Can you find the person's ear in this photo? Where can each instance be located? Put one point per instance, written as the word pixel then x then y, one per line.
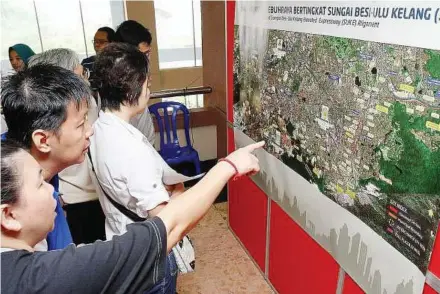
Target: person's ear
pixel 41 140
pixel 8 220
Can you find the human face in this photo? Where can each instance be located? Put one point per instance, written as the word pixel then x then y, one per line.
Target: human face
pixel 16 61
pixel 82 72
pixel 100 41
pixel 145 96
pixel 79 70
pixel 70 144
pixel 35 209
pixel 145 48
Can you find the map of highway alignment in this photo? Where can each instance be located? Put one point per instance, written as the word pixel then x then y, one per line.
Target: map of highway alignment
pixel 359 119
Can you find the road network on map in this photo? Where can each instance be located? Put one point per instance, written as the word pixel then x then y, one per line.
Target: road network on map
pixel 359 119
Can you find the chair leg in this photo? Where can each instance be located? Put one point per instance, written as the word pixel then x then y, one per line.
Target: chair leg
pixel 197 165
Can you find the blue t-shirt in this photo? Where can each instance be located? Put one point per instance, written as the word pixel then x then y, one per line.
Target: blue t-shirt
pixel 60 237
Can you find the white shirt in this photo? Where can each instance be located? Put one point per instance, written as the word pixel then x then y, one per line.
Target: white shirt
pixel 3 125
pixel 4 249
pixel 76 183
pixel 144 123
pixel 41 246
pixel 129 169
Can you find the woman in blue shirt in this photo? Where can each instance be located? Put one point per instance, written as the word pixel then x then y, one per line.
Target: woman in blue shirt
pixel 60 236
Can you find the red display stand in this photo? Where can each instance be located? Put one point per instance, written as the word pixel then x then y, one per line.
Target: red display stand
pixel 296 261
pixel 248 217
pixel 350 287
pixel 248 213
pixel 429 290
pixel 434 265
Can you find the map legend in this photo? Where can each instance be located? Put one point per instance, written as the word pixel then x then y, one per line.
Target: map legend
pixel 409 229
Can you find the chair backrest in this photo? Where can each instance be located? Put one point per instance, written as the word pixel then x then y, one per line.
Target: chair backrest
pixel 169 142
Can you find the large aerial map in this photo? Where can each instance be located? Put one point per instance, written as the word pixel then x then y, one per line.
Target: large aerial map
pixel 359 119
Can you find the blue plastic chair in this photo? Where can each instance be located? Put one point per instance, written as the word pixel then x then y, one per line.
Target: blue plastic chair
pixel 170 148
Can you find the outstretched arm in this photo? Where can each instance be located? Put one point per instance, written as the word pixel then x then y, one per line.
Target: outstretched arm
pixel 182 213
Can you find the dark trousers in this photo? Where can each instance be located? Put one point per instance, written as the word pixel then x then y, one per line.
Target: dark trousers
pixel 86 221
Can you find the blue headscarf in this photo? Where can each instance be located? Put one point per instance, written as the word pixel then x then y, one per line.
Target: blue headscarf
pixel 24 51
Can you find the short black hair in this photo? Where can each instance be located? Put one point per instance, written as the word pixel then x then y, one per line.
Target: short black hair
pixel 11 180
pixel 132 32
pixel 37 98
pixel 111 35
pixel 121 70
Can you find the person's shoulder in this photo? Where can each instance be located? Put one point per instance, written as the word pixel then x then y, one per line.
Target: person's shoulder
pixel 13 256
pixel 12 252
pixel 17 262
pixel 108 128
pixel 88 60
pixel 114 144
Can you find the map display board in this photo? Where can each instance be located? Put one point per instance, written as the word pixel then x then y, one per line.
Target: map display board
pixel 349 99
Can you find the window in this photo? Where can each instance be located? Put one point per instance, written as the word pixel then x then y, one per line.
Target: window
pixel 18 23
pixel 111 15
pixel 43 24
pixel 193 101
pixel 60 30
pixel 179 33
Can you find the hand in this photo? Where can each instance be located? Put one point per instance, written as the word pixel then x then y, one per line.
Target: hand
pixel 244 160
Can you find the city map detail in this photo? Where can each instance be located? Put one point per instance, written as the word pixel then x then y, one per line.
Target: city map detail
pixel 359 119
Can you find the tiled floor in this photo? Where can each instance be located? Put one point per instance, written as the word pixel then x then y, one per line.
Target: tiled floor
pixel 222 266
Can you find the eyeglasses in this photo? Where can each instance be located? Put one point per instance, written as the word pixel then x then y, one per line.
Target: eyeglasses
pixel 86 73
pixel 99 42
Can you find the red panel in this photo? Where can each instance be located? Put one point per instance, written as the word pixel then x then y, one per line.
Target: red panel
pixel 428 290
pixel 230 22
pixel 350 286
pixel 434 265
pixel 297 264
pixel 248 217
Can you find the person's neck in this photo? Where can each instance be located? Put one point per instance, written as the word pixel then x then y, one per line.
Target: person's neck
pixel 14 243
pixel 125 113
pixel 50 169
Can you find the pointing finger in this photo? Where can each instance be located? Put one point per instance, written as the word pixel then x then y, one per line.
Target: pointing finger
pixel 255 146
